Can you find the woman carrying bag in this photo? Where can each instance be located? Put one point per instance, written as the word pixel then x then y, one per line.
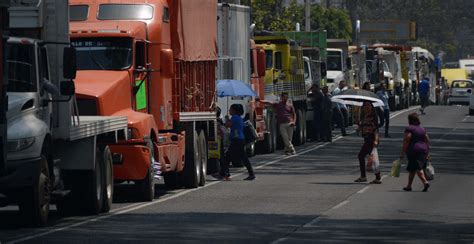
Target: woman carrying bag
pixel 368 127
pixel 415 146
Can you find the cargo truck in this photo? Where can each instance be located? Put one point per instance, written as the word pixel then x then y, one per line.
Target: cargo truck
pixel 53 155
pixel 240 59
pixel 285 73
pixel 338 63
pixel 155 63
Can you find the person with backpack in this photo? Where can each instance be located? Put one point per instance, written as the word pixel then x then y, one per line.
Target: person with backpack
pixel 236 150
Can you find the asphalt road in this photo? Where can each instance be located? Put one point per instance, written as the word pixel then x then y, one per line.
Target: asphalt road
pixel 307 197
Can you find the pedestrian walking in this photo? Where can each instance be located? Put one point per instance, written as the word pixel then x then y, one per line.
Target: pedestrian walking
pixel 236 151
pixel 424 92
pixel 416 148
pixel 368 128
pixel 326 116
pixel 340 110
pixel 316 102
pixel 385 117
pixel 286 118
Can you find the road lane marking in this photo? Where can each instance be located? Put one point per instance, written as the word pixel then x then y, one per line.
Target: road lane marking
pixel 340 205
pixel 363 189
pixel 465 119
pixel 138 206
pixel 403 111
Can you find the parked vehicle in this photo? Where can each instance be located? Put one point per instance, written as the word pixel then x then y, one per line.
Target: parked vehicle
pixel 426 68
pixel 53 155
pixel 460 92
pixel 454 74
pixel 285 72
pixel 240 59
pixel 3 86
pixel 155 63
pixel 338 63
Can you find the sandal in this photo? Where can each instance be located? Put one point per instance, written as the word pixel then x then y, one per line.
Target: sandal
pixel 376 181
pixel 425 189
pixel 361 179
pixel 407 188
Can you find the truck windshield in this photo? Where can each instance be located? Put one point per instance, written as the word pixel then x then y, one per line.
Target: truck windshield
pixel 269 59
pixel 21 68
pixel 103 53
pixel 334 61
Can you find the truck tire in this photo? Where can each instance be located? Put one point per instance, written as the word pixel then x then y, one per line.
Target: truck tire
pixel 250 149
pixel 35 203
pixel 203 157
pixel 471 111
pixel 192 168
pixel 94 197
pixel 146 187
pixel 298 135
pixel 108 180
pixel 305 126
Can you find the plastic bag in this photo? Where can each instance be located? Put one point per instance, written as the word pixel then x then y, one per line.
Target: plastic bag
pixel 396 166
pixel 429 171
pixel 375 161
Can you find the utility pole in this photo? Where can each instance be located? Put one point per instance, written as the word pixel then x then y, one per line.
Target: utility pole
pixel 307 11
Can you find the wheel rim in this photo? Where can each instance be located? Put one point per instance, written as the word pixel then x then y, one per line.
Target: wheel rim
pixel 203 155
pixel 109 189
pixel 197 159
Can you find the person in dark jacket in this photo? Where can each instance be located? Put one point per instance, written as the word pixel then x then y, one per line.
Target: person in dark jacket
pixel 316 102
pixel 326 116
pixel 416 147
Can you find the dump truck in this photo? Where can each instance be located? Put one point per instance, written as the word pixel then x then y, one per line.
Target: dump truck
pixel 313 44
pixel 53 154
pixel 237 57
pixel 285 73
pixel 155 63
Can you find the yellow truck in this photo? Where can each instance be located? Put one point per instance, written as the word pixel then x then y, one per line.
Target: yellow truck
pixel 454 74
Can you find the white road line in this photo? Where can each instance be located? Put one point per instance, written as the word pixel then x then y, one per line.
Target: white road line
pixel 363 190
pixel 467 117
pixel 403 111
pixel 340 205
pixel 184 192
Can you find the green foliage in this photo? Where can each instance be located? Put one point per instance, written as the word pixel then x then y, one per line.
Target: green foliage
pixel 272 15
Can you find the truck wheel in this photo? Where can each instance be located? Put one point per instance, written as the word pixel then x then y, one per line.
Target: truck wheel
pixel 94 195
pixel 250 149
pixel 35 203
pixel 305 126
pixel 192 168
pixel 471 111
pixel 108 180
pixel 203 157
pixel 146 187
pixel 298 135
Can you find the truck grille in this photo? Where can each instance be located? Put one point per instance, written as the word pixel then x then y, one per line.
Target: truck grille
pixel 87 107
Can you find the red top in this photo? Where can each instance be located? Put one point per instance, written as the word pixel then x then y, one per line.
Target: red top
pixel 284 112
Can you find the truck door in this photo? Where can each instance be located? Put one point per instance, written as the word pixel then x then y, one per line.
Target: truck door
pixel 141 76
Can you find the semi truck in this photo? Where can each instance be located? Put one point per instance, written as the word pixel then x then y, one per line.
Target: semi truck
pixel 240 59
pixel 53 154
pixel 155 63
pixel 285 73
pixel 338 63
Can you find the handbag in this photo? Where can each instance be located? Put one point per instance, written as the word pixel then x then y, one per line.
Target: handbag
pixel 429 171
pixel 396 167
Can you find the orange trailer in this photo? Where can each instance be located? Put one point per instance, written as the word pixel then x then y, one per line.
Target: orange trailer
pixel 153 61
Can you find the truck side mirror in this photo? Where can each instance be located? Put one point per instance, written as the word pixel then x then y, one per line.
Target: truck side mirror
pixel 294 65
pixel 166 63
pixel 69 63
pixel 67 88
pixel 261 63
pixel 324 69
pixel 349 63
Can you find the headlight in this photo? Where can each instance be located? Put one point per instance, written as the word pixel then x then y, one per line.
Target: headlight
pixel 20 144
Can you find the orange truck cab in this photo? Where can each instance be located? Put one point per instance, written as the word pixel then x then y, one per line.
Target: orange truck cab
pixel 134 60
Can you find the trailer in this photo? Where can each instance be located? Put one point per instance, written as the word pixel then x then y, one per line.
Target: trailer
pixel 237 55
pixel 53 154
pixel 155 63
